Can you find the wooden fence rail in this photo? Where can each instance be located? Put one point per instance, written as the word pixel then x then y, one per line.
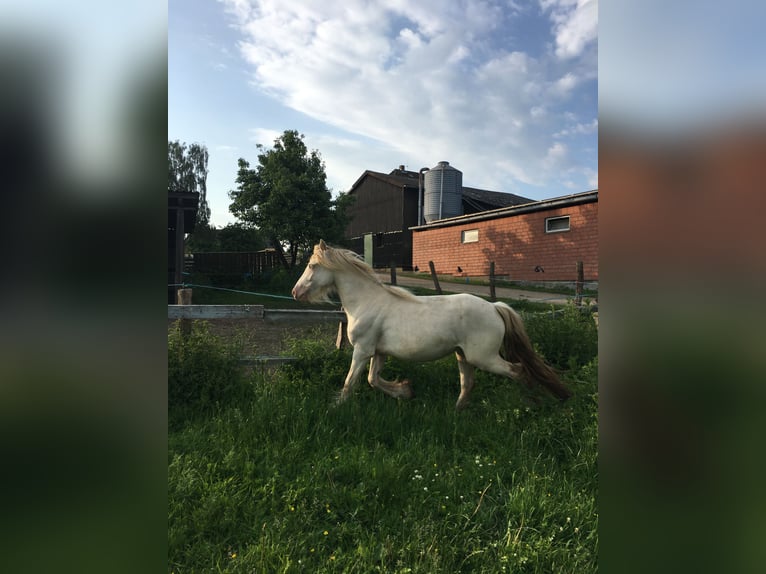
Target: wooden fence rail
pixel 254 312
pixel 287 316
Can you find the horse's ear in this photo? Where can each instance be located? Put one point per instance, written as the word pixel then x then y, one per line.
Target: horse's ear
pixel 322 245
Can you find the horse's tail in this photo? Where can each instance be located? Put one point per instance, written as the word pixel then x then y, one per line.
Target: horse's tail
pixel 517 348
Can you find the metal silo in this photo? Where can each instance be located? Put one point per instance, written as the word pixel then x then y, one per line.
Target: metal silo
pixel 443 195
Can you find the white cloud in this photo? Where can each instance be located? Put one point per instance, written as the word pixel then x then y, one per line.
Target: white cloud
pixel 427 81
pixel 556 156
pixel 575 24
pixel 592 177
pixel 566 83
pixel 578 129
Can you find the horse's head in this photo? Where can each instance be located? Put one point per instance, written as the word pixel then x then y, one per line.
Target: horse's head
pixel 317 281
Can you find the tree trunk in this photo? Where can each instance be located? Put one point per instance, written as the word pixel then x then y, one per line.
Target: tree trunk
pixel 280 254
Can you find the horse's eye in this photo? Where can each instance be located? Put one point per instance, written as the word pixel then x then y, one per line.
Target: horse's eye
pixel 312 265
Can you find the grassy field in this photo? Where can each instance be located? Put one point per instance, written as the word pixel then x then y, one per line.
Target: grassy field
pixel 549 287
pixel 267 474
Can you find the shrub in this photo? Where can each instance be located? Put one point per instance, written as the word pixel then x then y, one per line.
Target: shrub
pixel 318 359
pixel 567 338
pixel 280 280
pixel 203 371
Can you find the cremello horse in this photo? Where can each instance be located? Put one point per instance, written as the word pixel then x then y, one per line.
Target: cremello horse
pixel 385 320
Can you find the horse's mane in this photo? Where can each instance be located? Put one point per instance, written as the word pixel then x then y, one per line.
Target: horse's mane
pixel 345 260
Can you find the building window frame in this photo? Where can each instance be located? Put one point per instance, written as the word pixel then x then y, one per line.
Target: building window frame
pixel 556 224
pixel 469 235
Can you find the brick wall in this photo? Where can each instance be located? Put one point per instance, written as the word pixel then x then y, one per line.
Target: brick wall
pixel 517 244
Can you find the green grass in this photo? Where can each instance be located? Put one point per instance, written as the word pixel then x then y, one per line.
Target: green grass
pixel 273 476
pixel 552 287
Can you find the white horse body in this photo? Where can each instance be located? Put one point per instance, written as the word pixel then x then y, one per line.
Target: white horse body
pixel 447 322
pixel 385 320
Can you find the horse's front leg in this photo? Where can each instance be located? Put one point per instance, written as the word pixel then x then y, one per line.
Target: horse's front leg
pixel 358 359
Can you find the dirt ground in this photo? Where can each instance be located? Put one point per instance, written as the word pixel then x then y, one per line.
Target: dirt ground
pixel 262 338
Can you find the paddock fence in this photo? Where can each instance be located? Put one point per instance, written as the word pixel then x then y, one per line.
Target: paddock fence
pixel 187 313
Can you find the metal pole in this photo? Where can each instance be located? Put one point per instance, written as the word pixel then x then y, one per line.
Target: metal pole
pixel 420 194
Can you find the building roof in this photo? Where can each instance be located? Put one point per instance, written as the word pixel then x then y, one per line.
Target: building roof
pixel 474 199
pixel 482 200
pixel 552 203
pixel 186 201
pixel 398 177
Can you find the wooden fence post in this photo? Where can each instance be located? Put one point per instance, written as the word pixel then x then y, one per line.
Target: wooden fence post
pixel 184 297
pixel 579 284
pixel 434 277
pixel 393 272
pixel 492 296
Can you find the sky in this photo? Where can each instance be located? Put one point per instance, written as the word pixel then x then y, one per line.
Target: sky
pixel 506 91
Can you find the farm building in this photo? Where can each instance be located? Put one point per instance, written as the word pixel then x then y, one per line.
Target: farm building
pixel 182 218
pixel 386 208
pixel 537 241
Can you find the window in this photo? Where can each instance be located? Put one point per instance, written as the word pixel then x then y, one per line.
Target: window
pixel 469 236
pixel 556 224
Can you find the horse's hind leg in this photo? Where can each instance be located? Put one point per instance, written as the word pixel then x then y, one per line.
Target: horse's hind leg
pixel 393 388
pixel 494 363
pixel 466 380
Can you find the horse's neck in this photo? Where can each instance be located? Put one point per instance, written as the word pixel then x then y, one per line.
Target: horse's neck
pixel 356 291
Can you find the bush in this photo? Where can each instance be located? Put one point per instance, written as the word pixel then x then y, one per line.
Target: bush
pixel 203 371
pixel 280 280
pixel 566 338
pixel 318 360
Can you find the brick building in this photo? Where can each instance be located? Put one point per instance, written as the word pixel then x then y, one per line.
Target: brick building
pixel 536 241
pixel 385 210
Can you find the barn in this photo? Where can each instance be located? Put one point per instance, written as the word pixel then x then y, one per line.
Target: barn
pixel 182 218
pixel 386 209
pixel 536 242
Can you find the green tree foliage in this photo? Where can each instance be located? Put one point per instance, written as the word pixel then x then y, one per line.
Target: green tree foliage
pixel 233 237
pixel 286 197
pixel 240 237
pixel 187 171
pixel 204 239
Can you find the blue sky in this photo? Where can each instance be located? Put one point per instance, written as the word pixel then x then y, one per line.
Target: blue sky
pixel 505 91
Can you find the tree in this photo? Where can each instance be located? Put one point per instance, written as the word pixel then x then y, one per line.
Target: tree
pixel 187 171
pixel 240 237
pixel 286 197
